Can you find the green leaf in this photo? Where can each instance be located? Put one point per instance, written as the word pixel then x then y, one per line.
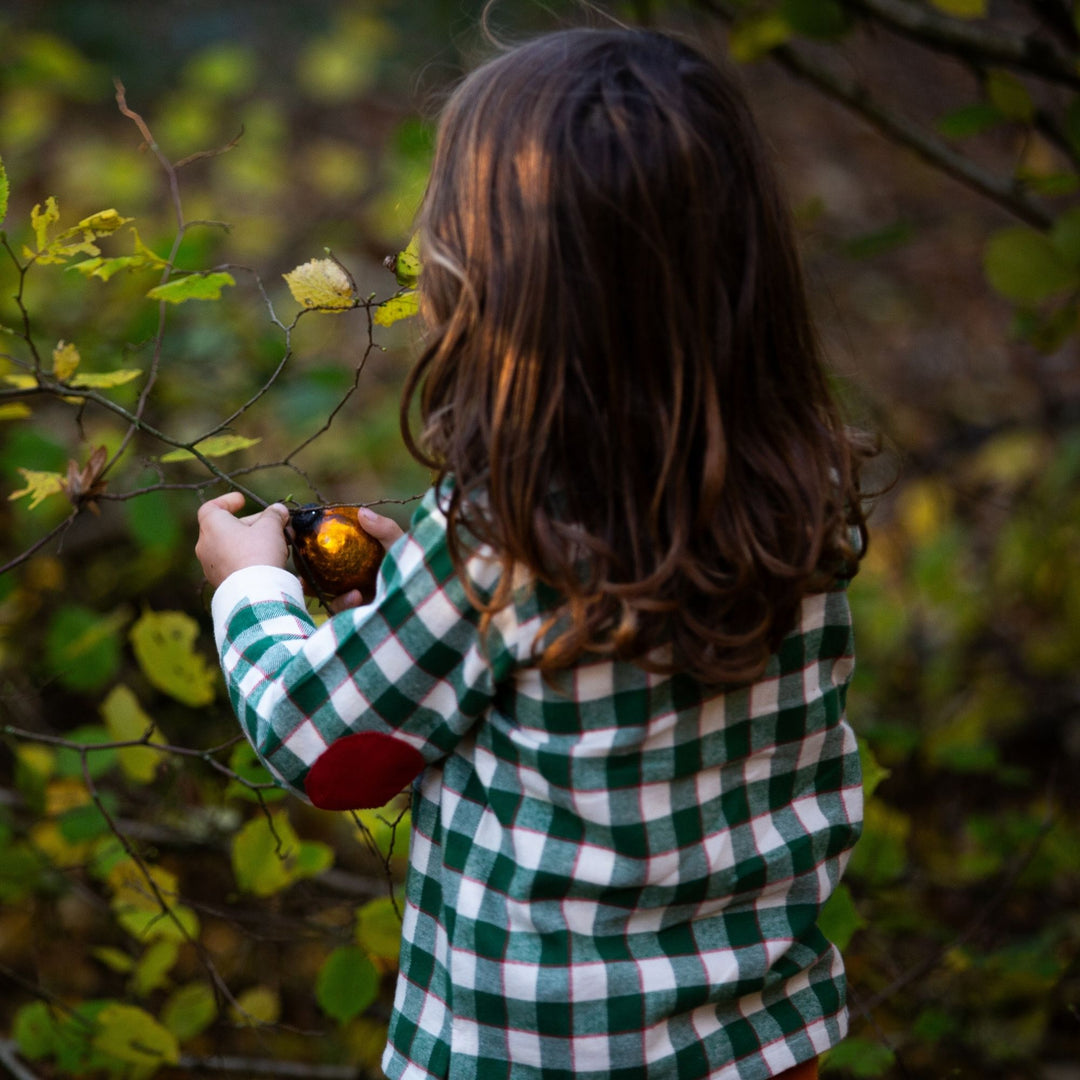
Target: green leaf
pixel 126 722
pixel 312 858
pixel 20 872
pixel 189 1011
pixel 755 37
pixel 378 928
pixel 859 1057
pixel 68 762
pixel 407 264
pixel 823 19
pixel 397 308
pixel 872 772
pixel 969 120
pixel 87 822
pixel 839 918
pixel 192 287
pixel 1009 96
pixel 246 764
pixel 133 1035
pixel 152 970
pixel 263 857
pixel 1024 265
pixel 114 959
pixel 214 447
pixel 34 1031
pixel 164 645
pixel 4 188
pixel 1065 236
pixel 347 983
pixel 962 9
pixel 83 646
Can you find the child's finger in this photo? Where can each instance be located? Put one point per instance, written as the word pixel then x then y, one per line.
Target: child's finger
pixel 230 502
pixel 274 510
pixel 384 529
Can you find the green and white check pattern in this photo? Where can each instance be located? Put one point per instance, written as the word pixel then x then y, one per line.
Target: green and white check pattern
pixel 613 875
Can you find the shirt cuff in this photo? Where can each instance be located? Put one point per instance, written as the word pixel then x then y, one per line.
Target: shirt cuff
pixel 250 585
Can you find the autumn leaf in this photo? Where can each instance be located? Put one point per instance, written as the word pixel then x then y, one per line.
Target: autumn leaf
pixel 85 485
pixel 164 644
pixel 321 284
pixel 39 486
pixel 405 265
pixel 216 446
pixel 192 287
pixel 103 222
pixel 65 361
pixel 397 308
pixel 40 220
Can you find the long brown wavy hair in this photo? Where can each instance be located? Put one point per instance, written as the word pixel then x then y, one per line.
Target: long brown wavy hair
pixel 621 375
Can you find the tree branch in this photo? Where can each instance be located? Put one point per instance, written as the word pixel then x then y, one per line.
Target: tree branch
pixel 1005 191
pixel 971 39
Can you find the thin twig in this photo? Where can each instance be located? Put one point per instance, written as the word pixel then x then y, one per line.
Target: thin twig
pixel 302 1070
pixel 1003 190
pixel 971 39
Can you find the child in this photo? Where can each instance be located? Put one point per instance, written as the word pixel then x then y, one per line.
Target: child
pixel 613 648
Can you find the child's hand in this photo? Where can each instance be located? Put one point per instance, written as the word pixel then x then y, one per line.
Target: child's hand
pixel 386 531
pixel 227 543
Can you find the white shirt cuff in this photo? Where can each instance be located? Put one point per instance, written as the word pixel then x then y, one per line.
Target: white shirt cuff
pixel 250 585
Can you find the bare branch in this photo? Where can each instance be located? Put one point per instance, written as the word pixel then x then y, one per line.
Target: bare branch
pixel 971 40
pixel 1003 190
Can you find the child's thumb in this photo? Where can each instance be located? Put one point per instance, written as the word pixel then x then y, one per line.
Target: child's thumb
pixel 385 530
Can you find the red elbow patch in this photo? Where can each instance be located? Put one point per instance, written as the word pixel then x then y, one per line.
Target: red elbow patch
pixel 362 771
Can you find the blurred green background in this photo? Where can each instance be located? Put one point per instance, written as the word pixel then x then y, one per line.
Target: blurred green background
pixel 960 918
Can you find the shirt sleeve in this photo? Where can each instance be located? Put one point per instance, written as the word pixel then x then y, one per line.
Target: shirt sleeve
pixel 347 713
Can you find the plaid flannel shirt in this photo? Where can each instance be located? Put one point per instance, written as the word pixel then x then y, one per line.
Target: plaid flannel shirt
pixel 618 875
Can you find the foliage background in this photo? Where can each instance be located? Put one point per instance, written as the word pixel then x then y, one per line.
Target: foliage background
pixel 952 334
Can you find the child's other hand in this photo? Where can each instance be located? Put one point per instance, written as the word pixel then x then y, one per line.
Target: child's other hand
pixel 228 543
pixel 386 531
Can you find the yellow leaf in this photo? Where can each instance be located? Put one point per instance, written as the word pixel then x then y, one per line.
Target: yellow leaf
pixel 104 380
pixel 164 645
pixel 321 284
pixel 259 1005
pixel 962 9
pixel 50 842
pixel 39 486
pixel 40 760
pixel 131 889
pixel 217 446
pixel 15 410
pixel 134 1036
pixel 396 308
pixel 65 361
pixel 922 509
pixel 126 722
pixel 65 794
pixel 103 222
pixel 21 382
pixel 42 219
pixel 757 36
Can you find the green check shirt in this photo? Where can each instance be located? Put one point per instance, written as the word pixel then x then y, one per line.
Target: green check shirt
pixel 615 875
